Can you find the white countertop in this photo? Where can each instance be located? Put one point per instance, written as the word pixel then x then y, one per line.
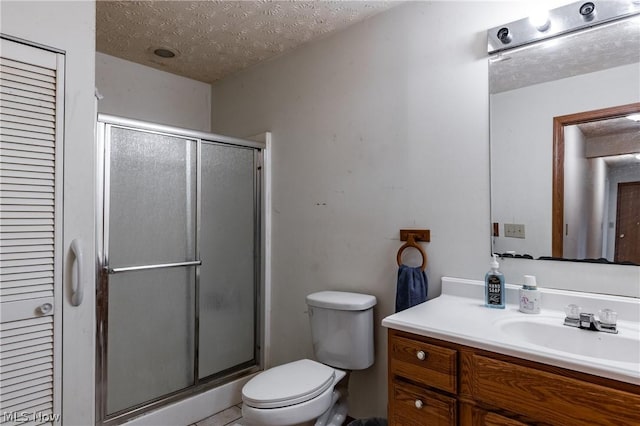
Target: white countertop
pixel 459 316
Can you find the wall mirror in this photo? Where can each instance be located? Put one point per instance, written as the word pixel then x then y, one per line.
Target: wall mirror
pixel 565 150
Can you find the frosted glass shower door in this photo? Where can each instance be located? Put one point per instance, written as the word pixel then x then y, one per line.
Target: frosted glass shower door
pixel 150 250
pixel 229 252
pixel 179 295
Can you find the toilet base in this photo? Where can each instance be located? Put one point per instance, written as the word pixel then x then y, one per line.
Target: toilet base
pixel 291 415
pixel 336 414
pixel 244 422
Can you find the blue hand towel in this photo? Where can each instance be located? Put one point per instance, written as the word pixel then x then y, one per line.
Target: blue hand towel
pixel 411 288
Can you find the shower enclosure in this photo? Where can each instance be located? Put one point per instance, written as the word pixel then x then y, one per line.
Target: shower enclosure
pixel 180 253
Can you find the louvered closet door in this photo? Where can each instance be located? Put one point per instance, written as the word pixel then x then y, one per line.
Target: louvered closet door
pixel 30 270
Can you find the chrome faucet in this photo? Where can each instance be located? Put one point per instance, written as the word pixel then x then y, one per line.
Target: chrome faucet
pixel 606 321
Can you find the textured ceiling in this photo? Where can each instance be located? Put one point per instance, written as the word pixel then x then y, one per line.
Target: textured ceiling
pixel 213 39
pixel 617 135
pixel 587 51
pixel 610 127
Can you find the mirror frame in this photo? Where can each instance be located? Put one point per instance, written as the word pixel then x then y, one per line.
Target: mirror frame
pixel 557 219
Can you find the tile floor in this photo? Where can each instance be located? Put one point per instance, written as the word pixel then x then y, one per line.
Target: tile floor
pixel 229 417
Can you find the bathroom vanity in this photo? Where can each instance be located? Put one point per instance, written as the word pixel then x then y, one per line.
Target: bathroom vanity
pixel 454 362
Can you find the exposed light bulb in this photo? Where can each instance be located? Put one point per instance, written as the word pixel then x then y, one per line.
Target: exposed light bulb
pixel 540 20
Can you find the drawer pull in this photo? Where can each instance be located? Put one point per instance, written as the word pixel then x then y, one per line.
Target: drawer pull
pixel 422 355
pixel 419 404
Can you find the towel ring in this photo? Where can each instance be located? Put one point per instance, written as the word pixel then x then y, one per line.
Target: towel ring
pixel 411 242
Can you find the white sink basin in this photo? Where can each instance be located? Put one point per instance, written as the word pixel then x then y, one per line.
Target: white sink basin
pixel 550 333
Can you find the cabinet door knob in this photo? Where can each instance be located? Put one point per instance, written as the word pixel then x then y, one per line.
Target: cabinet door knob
pixel 45 308
pixel 419 404
pixel 421 355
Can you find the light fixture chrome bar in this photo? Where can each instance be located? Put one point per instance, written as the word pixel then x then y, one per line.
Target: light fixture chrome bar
pixel 157 266
pixel 562 20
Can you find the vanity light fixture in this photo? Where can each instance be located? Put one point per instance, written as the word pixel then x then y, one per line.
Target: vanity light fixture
pixel 562 20
pixel 634 117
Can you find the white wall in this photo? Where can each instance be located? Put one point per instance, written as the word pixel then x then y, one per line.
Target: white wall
pixel 596 207
pixel 359 152
pixel 584 198
pixel 380 127
pixel 575 196
pixel 70 26
pixel 144 93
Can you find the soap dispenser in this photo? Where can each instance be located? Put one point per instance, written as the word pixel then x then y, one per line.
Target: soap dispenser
pixel 530 296
pixel 494 292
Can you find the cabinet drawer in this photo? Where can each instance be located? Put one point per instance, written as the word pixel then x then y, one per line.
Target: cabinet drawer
pixel 549 397
pixel 423 363
pixel 487 418
pixel 413 406
pixel 493 419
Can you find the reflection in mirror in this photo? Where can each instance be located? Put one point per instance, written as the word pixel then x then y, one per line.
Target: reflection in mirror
pixel 591 70
pixel 596 185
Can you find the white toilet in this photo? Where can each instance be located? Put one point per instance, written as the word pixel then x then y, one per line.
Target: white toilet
pixel 304 392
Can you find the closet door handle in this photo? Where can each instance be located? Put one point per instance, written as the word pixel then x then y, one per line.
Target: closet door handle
pixel 77 278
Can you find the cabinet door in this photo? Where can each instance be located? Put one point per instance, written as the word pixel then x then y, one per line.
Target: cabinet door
pixel 565 400
pixel 30 232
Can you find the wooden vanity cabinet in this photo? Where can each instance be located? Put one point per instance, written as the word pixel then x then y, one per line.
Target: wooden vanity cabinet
pixel 434 382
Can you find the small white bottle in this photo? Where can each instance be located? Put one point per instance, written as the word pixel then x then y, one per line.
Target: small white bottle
pixel 530 296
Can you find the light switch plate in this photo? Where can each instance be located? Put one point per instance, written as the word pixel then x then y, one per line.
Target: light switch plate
pixel 514 230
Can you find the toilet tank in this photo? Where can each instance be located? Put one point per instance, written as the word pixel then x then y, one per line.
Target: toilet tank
pixel 342 328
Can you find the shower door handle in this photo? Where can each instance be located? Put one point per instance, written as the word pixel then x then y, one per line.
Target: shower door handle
pixel 156 266
pixel 77 280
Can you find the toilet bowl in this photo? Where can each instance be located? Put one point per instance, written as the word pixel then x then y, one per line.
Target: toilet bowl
pixel 305 391
pixel 290 394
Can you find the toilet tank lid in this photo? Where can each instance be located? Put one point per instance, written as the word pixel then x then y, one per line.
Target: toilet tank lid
pixel 341 300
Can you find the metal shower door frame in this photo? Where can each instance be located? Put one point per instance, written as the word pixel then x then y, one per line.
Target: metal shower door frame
pixel 104 270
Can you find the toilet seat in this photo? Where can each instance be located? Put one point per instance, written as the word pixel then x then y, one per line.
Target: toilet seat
pixel 288 384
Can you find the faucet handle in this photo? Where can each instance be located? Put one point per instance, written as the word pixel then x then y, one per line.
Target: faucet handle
pixel 607 316
pixel 573 311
